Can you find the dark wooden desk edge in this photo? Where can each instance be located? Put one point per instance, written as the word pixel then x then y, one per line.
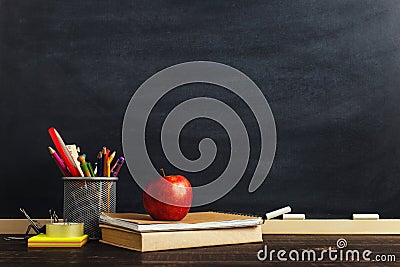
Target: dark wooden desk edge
pixel 15 253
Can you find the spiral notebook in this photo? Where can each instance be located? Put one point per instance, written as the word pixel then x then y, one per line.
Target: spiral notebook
pixel 192 221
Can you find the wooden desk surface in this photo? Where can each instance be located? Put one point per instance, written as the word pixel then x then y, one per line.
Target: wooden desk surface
pixel 15 253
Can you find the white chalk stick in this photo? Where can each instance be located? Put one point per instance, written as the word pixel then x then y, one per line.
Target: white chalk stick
pixel 278 213
pixel 365 216
pixel 293 216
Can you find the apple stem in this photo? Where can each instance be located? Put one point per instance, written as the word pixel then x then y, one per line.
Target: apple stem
pixel 162 171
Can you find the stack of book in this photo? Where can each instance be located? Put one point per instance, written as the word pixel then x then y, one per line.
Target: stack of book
pixel 141 233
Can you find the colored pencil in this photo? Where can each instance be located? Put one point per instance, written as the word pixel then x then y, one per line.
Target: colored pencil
pixel 59 162
pixel 105 160
pixel 117 167
pixel 99 164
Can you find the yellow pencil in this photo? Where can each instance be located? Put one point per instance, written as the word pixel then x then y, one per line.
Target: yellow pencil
pixel 109 160
pixel 111 157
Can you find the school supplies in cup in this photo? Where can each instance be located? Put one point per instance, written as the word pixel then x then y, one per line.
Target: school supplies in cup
pixel 87 191
pixel 71 164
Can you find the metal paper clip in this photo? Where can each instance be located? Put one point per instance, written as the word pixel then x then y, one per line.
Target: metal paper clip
pixel 53 216
pixel 33 224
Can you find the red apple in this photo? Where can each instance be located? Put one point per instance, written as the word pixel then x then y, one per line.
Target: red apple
pixel 168 198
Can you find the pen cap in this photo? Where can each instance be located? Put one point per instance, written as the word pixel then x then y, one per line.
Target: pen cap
pixel 85 198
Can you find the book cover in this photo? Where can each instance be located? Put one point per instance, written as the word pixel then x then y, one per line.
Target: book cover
pixel 155 241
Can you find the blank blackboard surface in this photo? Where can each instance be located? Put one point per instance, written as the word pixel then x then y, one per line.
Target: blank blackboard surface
pixel 330 71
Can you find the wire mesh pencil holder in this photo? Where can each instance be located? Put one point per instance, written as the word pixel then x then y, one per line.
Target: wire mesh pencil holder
pixel 85 198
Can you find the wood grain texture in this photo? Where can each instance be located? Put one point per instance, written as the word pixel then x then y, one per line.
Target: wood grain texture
pixel 15 253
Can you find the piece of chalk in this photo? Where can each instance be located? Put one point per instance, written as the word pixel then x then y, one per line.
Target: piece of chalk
pixel 293 216
pixel 365 216
pixel 278 213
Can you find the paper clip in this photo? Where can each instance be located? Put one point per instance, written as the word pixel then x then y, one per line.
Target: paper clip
pixel 33 224
pixel 53 216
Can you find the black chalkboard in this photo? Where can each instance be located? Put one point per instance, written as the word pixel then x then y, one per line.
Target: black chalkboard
pixel 329 69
